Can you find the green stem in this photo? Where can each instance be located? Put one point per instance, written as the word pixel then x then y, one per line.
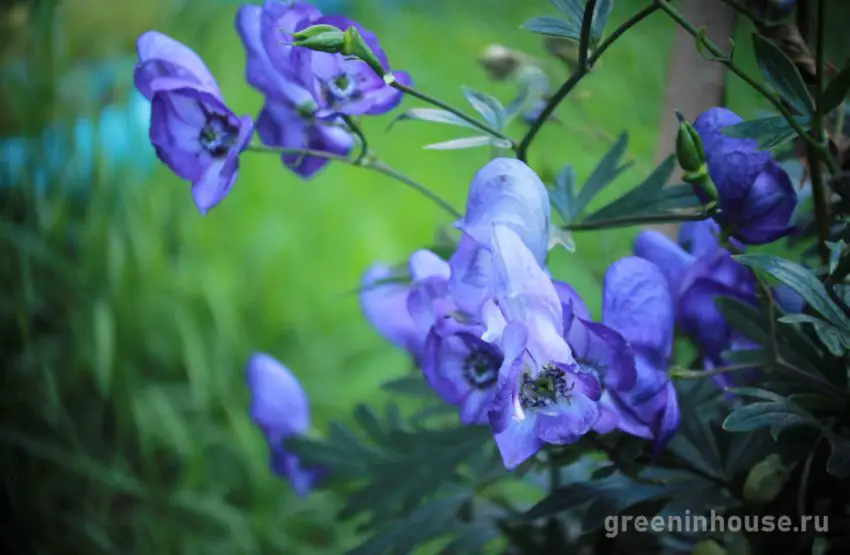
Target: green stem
pixel 820 197
pixel 586 28
pixel 636 220
pixel 687 374
pixel 367 163
pixel 578 75
pixel 727 61
pixel 354 128
pixel 440 104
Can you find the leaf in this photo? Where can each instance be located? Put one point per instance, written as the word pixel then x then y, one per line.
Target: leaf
pixel 573 9
pixel 466 142
pixel 774 415
pixel 801 280
pixel 434 115
pixel 836 92
pixel 412 386
pixel 490 109
pixel 639 199
pixel 608 169
pixel 837 341
pixel 754 357
pixel 770 132
pixel 757 393
pixel 838 463
pixel 600 19
pixel 563 195
pixel 553 27
pixel 782 74
pixel 104 345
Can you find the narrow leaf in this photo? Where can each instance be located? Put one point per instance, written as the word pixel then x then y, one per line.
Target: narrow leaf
pixel 782 74
pixel 433 115
pixel 553 27
pixel 639 199
pixel 801 280
pixel 573 9
pixel 835 92
pixel 770 132
pixel 563 196
pixel 763 415
pixel 600 19
pixel 490 109
pixel 606 172
pixel 457 144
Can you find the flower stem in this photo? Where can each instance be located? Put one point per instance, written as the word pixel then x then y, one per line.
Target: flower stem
pixel 440 104
pixel 820 197
pixel 686 374
pixel 636 220
pixel 582 70
pixel 366 162
pixel 727 61
pixel 355 128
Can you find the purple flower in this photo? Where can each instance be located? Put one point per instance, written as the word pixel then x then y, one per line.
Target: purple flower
pixel 192 130
pixel 757 198
pixel 506 192
pixel 404 312
pixel 543 395
pixel 696 279
pixel 280 409
pixel 346 86
pixel 287 119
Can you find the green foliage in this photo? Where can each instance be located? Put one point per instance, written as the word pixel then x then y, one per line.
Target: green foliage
pixel 783 75
pixel 770 132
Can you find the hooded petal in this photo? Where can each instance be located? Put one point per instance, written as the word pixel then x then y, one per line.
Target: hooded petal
pixel 571 300
pixel 424 264
pixel 470 269
pixel 162 56
pixel 508 192
pixel 604 351
pixel 278 403
pixel 767 209
pixel 636 302
pixel 662 251
pixel 699 238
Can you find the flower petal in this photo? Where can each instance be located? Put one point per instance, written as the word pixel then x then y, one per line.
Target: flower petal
pixel 665 253
pixel 278 403
pixel 162 56
pixel 385 307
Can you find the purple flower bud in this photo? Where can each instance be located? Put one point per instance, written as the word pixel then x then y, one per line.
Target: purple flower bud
pixel 279 407
pixel 193 132
pixel 757 198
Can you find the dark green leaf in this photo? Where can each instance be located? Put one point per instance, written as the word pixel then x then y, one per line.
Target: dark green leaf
pixel 412 386
pixel 755 357
pixel 562 195
pixel 838 463
pixel 608 169
pixel 368 421
pixel 553 27
pixel 835 92
pixel 600 19
pixel 834 339
pixel 695 442
pixel 801 280
pixel 770 132
pixel 434 115
pixel 782 74
pixel 678 198
pixel 746 450
pixel 776 416
pixel 640 199
pixel 490 109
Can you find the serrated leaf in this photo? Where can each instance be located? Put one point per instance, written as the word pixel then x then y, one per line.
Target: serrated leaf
pixel 601 15
pixel 836 92
pixel 776 416
pixel 488 107
pixel 553 27
pixel 782 74
pixel 641 198
pixel 434 115
pixel 608 169
pixel 801 280
pixel 466 142
pixel 770 132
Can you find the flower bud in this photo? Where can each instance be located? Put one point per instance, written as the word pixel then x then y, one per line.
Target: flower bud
pixel 355 45
pixel 324 38
pixel 766 480
pixel 689 149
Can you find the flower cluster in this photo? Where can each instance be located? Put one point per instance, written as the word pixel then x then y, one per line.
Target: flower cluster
pixel 513 348
pixel 308 97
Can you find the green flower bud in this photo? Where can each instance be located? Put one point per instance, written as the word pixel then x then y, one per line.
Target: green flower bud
pixel 324 38
pixel 766 480
pixel 355 45
pixel 689 149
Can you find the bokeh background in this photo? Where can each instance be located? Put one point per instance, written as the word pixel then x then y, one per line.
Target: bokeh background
pixel 127 317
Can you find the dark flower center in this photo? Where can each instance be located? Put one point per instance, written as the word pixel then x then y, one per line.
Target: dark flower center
pixel 218 135
pixel 545 389
pixel 341 89
pixel 481 368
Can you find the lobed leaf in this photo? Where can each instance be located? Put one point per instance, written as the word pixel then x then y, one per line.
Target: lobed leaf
pixel 434 115
pixel 553 27
pixel 608 169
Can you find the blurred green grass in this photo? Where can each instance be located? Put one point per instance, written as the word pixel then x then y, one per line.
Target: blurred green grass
pixel 135 400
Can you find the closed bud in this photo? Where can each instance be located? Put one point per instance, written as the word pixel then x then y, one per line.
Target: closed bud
pixel 355 46
pixel 766 480
pixel 689 149
pixel 324 38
